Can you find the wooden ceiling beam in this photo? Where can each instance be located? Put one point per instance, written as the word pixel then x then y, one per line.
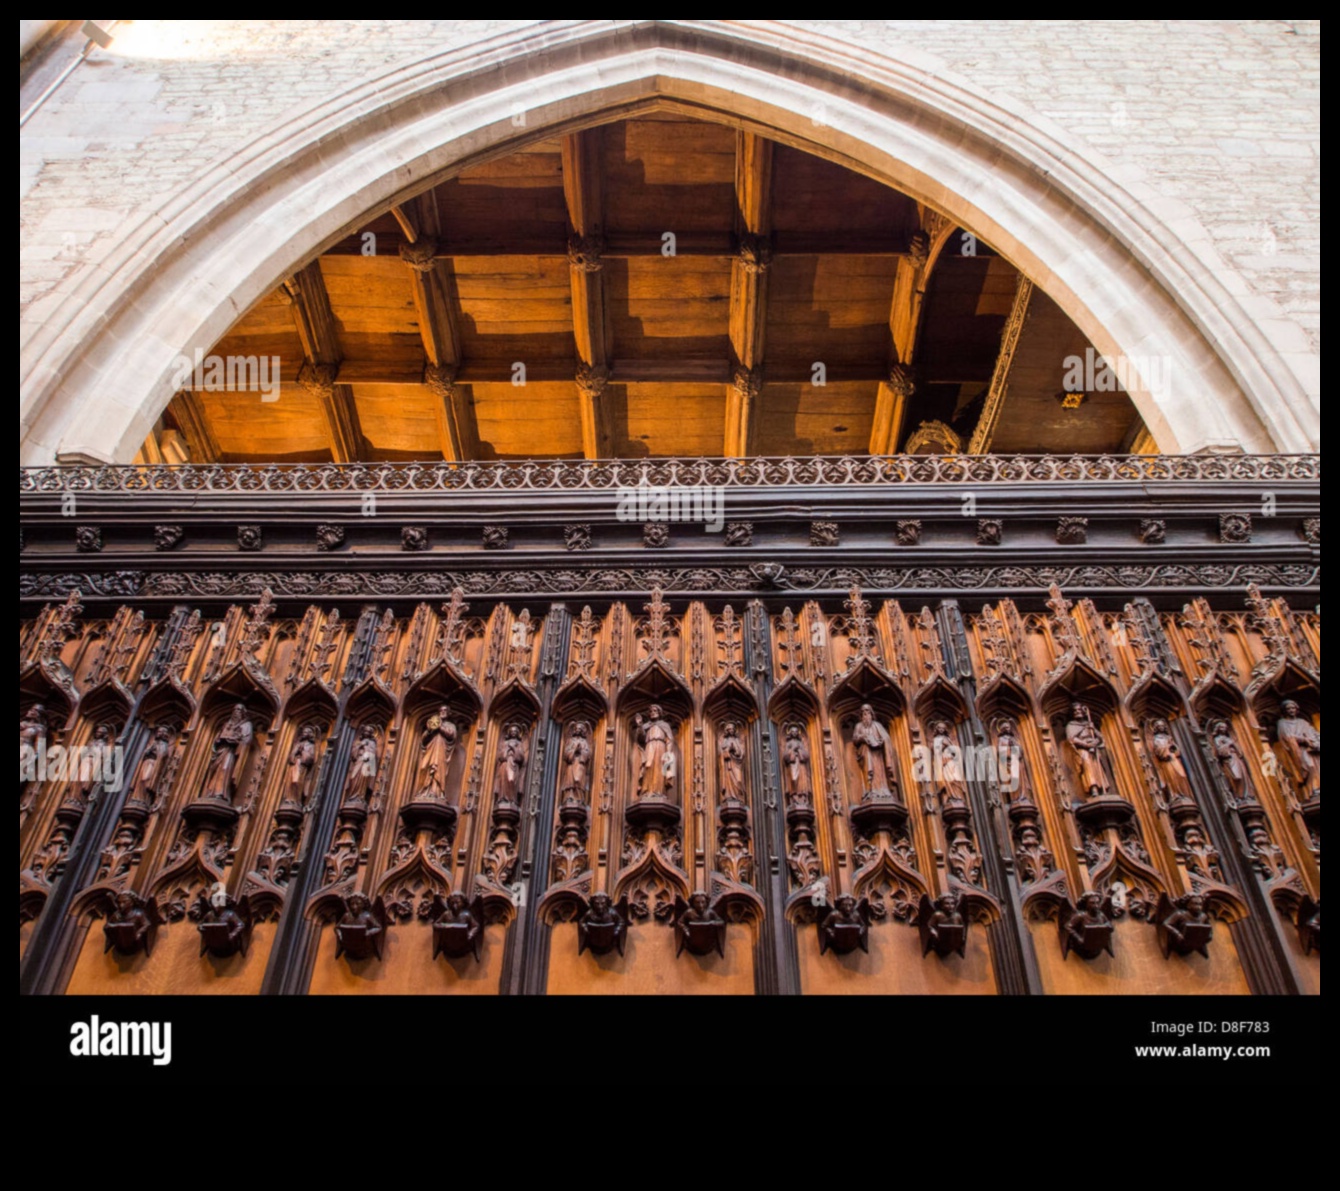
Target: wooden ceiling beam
pixel 627 245
pixel 909 293
pixel 320 338
pixel 749 290
pixel 584 196
pixel 989 419
pixel 680 370
pixel 188 413
pixel 434 287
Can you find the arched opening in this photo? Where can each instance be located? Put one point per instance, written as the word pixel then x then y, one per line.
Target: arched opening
pixel 101 372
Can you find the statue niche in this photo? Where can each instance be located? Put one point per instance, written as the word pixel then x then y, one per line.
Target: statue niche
pixel 215 807
pixel 1166 757
pixel 431 806
pixel 1299 751
pixel 654 805
pixel 881 806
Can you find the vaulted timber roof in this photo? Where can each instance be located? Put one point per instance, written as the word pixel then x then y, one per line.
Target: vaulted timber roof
pixel 658 286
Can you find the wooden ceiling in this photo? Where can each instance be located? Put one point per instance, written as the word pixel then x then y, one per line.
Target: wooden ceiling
pixel 655 287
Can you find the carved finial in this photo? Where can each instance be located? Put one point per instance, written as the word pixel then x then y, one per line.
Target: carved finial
pixel 441 379
pixel 748 382
pixel 900 380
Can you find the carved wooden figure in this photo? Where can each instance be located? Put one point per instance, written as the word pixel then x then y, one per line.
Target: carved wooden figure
pixel 1309 925
pixel 224 923
pixel 1300 748
pixel 846 926
pixel 301 762
pixel 511 765
pixel 132 924
pixel 1086 928
pixel 874 749
pixel 603 925
pixel 575 787
pixel 797 783
pixel 1167 760
pixel 458 926
pixel 1232 764
pixel 360 932
pixel 730 750
pixel 1088 745
pixel 947 759
pixel 359 782
pixel 437 746
pixel 146 785
pixel 942 925
pixel 699 929
pixel 1183 925
pixel 225 761
pixel 657 765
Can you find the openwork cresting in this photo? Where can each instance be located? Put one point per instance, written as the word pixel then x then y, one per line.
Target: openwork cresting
pixel 598 475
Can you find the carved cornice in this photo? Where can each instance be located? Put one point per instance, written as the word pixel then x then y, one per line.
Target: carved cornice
pixel 576 475
pixel 617 581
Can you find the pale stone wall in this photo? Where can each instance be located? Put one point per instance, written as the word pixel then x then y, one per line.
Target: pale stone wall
pixel 1218 121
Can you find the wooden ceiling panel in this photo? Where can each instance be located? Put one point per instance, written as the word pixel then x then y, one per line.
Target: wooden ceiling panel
pixel 292 429
pixel 1032 417
pixel 811 195
pixel 668 327
pixel 829 309
pixel 807 419
pixel 369 295
pixel 510 200
pixel 669 420
pixel 399 421
pixel 539 420
pixel 669 306
pixel 514 308
pixel 668 174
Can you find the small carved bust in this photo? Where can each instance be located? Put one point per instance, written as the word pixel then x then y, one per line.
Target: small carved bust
pixel 1184 925
pixel 132 924
pixel 845 927
pixel 942 925
pixel 698 926
pixel 1087 927
pixel 458 928
pixel 604 926
pixel 361 930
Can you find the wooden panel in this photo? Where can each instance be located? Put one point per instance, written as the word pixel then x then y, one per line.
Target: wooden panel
pixel 656 300
pixel 811 195
pixel 514 308
pixel 292 428
pixel 534 420
pixel 370 295
pixel 669 175
pixel 1032 416
pixel 399 421
pixel 816 420
pixel 831 309
pixel 671 420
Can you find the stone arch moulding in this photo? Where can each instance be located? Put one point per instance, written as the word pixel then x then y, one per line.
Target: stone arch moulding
pixel 1133 269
